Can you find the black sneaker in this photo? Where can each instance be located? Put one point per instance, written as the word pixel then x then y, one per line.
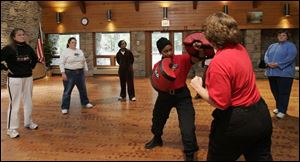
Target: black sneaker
pixel 153 143
pixel 189 156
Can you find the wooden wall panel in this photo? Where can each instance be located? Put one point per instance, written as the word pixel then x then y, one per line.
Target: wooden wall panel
pixel 181 14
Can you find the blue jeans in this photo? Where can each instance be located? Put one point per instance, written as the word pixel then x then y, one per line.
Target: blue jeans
pixel 75 77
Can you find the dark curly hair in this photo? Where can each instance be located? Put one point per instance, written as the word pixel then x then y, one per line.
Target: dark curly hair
pixel 120 42
pixel 221 29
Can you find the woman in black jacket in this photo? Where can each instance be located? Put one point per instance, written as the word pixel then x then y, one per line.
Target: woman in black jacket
pixel 125 60
pixel 18 58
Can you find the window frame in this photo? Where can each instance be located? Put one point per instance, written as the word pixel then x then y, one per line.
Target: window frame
pixel 171 39
pixel 112 57
pixel 47 39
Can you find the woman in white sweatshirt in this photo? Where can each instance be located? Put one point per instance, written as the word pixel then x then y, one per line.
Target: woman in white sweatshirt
pixel 72 67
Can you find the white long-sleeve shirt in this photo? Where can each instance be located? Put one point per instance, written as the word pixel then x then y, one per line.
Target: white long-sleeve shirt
pixel 72 59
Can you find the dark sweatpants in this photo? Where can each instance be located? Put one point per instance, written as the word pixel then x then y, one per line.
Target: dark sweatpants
pixel 281 89
pixel 241 130
pixel 186 114
pixel 126 77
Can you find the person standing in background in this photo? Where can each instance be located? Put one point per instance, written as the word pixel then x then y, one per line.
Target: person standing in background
pixel 280 59
pixel 125 60
pixel 18 58
pixel 72 66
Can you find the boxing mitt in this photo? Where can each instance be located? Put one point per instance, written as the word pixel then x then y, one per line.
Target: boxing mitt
pixel 163 75
pixel 206 47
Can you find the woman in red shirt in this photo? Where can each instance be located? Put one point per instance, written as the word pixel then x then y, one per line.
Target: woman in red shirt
pixel 242 122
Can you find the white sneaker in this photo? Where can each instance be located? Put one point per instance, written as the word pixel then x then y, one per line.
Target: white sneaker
pixel 275 111
pixel 133 99
pixel 89 105
pixel 280 115
pixel 64 111
pixel 32 126
pixel 12 133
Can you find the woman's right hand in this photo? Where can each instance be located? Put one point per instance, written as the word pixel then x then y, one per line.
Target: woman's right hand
pixel 196 83
pixel 64 76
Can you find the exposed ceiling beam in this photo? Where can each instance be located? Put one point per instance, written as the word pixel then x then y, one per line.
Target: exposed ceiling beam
pixel 195 3
pixel 82 6
pixel 137 5
pixel 254 4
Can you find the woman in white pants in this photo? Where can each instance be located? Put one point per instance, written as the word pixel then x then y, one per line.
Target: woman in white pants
pixel 19 59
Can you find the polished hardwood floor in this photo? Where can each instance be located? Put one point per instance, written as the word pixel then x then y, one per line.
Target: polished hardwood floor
pixel 115 130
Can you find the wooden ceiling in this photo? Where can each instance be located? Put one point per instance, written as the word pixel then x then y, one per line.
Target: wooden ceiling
pixel 82 4
pixel 53 4
pixel 50 4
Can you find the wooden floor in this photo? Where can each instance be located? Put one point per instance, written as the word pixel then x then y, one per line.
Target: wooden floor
pixel 115 130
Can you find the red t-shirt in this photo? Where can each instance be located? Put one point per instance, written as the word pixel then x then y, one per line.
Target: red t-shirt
pixel 184 65
pixel 230 79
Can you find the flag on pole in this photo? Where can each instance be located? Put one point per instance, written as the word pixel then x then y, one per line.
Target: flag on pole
pixel 40 47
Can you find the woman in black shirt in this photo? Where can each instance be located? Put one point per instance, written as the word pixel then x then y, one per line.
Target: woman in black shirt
pixel 18 58
pixel 125 60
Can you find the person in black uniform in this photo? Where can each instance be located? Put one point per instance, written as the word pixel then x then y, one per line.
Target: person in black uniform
pixel 179 96
pixel 125 60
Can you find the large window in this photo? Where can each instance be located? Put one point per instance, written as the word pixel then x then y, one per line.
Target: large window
pixel 156 56
pixel 174 37
pixel 60 44
pixel 107 47
pixel 178 43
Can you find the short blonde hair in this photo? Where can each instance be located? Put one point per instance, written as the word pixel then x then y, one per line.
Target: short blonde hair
pixel 221 29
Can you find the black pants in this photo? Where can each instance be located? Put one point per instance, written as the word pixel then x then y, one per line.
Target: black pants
pixel 126 77
pixel 281 89
pixel 186 114
pixel 241 130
